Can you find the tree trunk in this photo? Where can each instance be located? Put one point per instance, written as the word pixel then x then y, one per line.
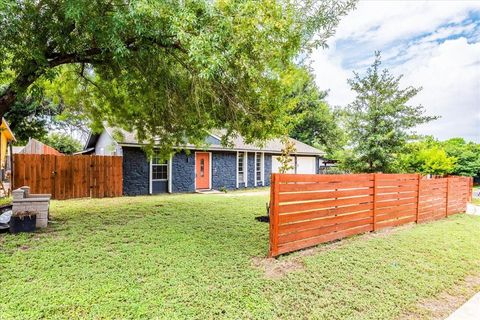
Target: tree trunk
pixel 7 100
pixel 19 85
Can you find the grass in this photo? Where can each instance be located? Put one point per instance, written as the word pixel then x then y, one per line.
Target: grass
pixel 5 201
pixel 190 256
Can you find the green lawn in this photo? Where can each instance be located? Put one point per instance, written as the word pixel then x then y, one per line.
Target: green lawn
pixel 190 256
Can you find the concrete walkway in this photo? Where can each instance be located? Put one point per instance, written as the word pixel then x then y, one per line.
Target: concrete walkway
pixel 469 311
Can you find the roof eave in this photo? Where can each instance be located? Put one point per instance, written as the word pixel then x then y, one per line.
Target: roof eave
pixel 319 154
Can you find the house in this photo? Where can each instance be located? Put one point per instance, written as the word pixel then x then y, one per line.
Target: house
pixel 37 147
pixel 6 138
pixel 190 168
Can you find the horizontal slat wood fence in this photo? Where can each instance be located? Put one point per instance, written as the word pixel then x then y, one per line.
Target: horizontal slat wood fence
pixel 67 177
pixel 306 210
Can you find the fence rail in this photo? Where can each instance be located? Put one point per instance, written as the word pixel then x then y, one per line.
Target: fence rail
pixel 66 177
pixel 310 209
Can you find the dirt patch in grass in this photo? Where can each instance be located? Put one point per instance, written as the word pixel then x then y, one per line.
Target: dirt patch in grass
pixel 343 242
pixel 441 306
pixel 276 269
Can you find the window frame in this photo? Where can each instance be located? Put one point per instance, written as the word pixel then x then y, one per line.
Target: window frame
pixel 153 164
pixel 243 157
pixel 259 170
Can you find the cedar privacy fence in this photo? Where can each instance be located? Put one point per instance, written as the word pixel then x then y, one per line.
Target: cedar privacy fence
pixel 306 210
pixel 66 177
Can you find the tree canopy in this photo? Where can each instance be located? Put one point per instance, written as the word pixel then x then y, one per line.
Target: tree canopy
pixel 379 122
pixel 62 142
pixel 467 155
pixel 426 157
pixel 167 69
pixel 35 117
pixel 312 120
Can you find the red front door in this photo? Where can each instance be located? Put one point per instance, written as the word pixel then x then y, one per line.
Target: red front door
pixel 202 170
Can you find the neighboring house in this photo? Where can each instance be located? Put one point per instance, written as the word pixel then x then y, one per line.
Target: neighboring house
pixel 190 168
pixel 6 138
pixel 13 150
pixel 36 147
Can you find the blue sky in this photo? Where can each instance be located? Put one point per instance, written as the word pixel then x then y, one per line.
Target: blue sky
pixel 434 44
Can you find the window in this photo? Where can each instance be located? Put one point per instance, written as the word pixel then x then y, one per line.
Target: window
pixel 202 167
pixel 241 167
pixel 159 168
pixel 258 167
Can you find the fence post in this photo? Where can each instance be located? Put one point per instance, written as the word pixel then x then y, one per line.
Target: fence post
pixel 446 200
pixel 419 179
pixel 374 202
pixel 274 219
pixel 470 189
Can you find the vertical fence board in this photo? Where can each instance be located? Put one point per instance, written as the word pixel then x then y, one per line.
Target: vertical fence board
pixel 66 177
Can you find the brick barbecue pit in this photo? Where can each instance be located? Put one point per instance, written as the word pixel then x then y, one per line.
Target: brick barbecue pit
pixel 37 204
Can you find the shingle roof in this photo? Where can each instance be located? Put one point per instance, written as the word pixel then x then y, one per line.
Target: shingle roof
pixel 238 143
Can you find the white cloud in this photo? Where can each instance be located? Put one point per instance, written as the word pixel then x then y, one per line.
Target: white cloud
pixel 450 77
pixel 434 44
pixel 381 21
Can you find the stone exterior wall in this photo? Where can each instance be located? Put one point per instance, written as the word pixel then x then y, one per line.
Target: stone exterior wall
pixel 267 166
pixel 183 172
pixel 224 170
pixel 136 172
pixel 251 170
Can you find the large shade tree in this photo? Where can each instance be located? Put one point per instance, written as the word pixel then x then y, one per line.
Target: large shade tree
pixel 312 119
pixel 167 69
pixel 380 120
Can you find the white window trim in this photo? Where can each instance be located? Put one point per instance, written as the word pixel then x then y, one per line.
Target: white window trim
pixel 262 170
pixel 150 178
pixel 245 165
pixel 245 168
pixel 236 171
pixel 170 173
pixel 169 176
pixel 151 170
pixel 255 176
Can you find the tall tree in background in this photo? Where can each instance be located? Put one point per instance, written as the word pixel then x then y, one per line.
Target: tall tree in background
pixel 379 122
pixel 312 119
pixel 166 69
pixel 62 142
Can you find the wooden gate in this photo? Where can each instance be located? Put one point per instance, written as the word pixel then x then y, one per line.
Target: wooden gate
pixel 67 177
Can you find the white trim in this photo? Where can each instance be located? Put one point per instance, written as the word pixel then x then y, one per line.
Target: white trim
pixel 245 166
pixel 170 174
pixel 263 168
pixel 215 136
pixel 236 171
pixel 209 169
pixel 226 149
pixel 210 165
pixel 245 169
pixel 255 176
pixel 150 177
